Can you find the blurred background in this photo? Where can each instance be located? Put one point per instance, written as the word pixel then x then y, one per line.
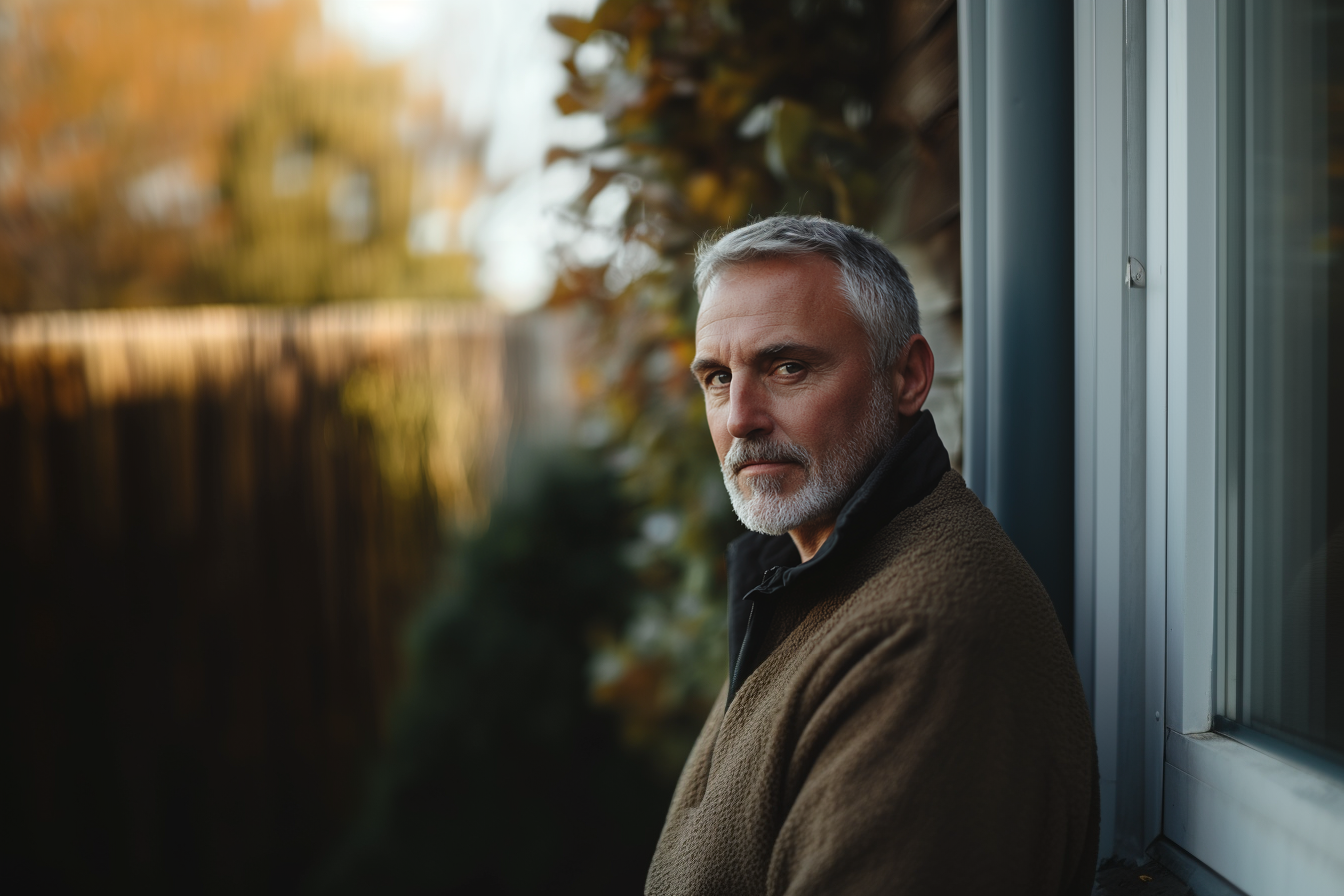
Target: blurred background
pixel 359 526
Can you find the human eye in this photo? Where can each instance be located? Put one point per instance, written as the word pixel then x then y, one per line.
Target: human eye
pixel 789 368
pixel 718 378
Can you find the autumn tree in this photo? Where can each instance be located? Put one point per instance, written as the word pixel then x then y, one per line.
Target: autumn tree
pixel 318 185
pixel 717 113
pixel 148 150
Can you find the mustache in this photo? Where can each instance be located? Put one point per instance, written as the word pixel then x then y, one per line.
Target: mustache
pixel 754 452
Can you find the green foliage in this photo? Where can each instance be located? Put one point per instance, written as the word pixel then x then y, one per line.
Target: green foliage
pixel 318 186
pixel 501 776
pixel 716 113
pixel 162 152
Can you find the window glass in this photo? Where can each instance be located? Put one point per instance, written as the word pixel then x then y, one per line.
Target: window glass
pixel 1280 668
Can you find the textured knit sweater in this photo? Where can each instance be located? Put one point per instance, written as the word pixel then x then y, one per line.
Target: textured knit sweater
pixel 908 718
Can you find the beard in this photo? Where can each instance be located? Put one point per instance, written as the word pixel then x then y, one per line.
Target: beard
pixel 828 480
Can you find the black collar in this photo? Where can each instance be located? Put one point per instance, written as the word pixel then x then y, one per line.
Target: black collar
pixel 760 565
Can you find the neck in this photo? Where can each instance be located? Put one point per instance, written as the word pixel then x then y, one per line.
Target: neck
pixel 809 537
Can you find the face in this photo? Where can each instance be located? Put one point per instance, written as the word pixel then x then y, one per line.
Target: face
pixel 797 415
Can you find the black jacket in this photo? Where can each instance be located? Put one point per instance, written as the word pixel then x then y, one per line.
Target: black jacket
pixel 760 567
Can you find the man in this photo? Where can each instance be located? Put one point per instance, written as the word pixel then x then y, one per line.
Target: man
pixel 902 713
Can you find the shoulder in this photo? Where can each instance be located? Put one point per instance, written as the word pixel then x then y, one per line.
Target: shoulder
pixel 948 556
pixel 943 581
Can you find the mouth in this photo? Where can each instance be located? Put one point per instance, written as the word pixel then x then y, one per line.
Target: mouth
pixel 748 460
pixel 763 467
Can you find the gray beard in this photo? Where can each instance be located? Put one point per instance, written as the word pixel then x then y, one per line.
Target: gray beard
pixel 827 483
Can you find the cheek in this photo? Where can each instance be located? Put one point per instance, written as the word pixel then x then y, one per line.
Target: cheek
pixel 718 431
pixel 826 418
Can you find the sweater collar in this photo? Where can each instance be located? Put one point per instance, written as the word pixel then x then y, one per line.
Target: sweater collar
pixel 906 475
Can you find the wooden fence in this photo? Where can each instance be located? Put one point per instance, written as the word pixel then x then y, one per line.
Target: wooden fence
pixel 213 523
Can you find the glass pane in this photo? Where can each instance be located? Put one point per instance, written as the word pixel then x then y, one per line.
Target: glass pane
pixel 1281 359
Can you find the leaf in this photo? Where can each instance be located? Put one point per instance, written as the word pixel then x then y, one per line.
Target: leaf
pixel 701 191
pixel 597 182
pixel 614 15
pixel 572 27
pixel 556 153
pixel 793 123
pixel 568 103
pixel 726 94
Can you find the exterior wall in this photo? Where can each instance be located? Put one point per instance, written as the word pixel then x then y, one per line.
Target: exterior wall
pixel 923 222
pixel 1017 154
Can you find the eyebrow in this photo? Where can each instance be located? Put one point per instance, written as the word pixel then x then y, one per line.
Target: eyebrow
pixel 774 350
pixel 701 365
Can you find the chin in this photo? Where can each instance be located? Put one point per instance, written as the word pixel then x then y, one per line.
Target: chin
pixel 773 514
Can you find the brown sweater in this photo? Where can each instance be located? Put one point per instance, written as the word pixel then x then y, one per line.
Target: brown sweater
pixel 916 726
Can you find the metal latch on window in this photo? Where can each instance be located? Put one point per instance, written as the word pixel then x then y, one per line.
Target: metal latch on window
pixel 1135 276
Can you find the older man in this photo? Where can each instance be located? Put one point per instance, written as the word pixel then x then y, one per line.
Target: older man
pixel 902 713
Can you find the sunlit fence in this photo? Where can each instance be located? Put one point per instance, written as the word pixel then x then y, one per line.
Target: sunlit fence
pixel 213 525
pixel 427 378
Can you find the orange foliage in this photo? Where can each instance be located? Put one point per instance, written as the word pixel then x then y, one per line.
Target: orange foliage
pixel 111 127
pixel 121 131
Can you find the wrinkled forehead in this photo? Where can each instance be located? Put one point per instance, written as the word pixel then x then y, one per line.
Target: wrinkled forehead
pixel 801 288
pixel 754 308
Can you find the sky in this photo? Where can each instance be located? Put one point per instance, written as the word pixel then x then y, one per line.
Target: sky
pixel 498 68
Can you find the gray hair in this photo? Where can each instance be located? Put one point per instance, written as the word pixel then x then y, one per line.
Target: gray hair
pixel 872 280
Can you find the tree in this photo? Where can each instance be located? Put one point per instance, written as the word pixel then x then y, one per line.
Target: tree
pixel 716 113
pixel 500 776
pixel 318 185
pixel 111 122
pixel 147 148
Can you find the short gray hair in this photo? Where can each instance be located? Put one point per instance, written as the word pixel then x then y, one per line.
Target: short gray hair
pixel 872 280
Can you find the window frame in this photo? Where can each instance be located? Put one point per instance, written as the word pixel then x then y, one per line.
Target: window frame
pixel 1265 823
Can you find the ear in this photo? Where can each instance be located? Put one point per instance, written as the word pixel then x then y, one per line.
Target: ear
pixel 912 376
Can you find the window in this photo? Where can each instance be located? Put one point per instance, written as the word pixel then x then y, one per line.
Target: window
pixel 1280 669
pixel 1252 780
pixel 1209 148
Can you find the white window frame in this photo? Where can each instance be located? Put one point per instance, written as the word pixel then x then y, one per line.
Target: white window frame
pixel 1265 824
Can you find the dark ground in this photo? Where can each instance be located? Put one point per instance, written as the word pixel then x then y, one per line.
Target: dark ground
pixel 1123 879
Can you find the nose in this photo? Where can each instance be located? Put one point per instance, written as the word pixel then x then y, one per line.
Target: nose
pixel 748 409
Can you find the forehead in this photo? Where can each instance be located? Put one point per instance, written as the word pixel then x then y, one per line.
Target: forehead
pixel 768 300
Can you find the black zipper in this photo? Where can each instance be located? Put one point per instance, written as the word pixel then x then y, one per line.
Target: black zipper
pixel 742 650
